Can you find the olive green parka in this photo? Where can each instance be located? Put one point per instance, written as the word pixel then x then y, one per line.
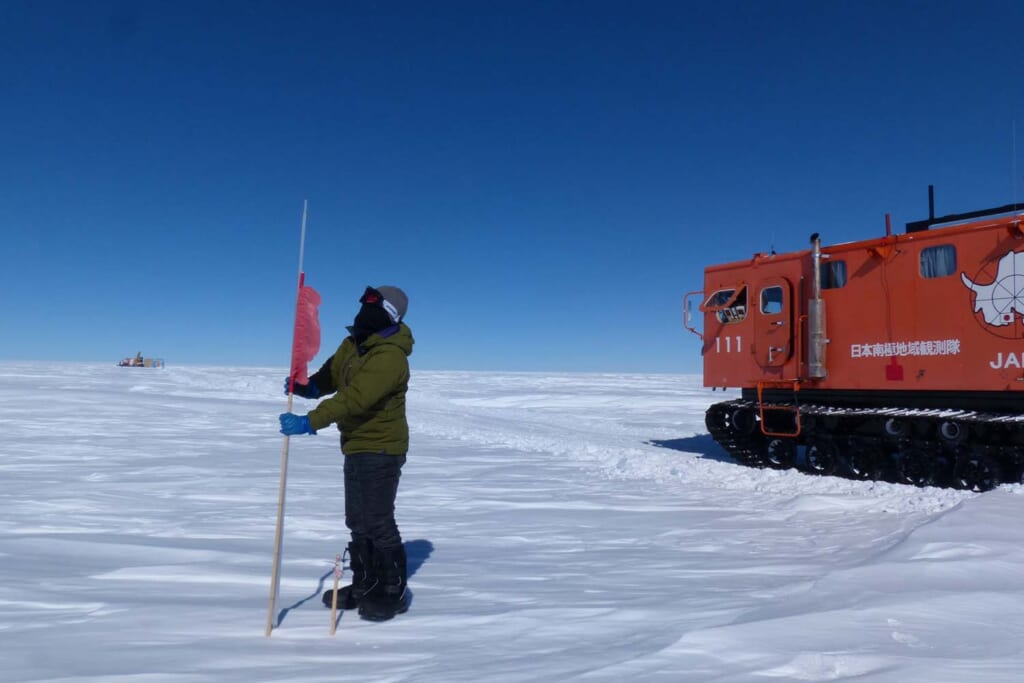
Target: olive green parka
pixel 369 383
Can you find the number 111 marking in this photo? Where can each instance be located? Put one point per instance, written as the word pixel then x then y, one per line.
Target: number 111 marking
pixel 728 344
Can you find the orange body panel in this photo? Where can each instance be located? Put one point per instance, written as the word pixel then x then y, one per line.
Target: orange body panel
pixel 889 326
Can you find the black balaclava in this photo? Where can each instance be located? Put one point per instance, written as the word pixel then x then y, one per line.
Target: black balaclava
pixel 370 319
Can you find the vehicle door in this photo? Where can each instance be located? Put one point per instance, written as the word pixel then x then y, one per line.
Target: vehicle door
pixel 773 322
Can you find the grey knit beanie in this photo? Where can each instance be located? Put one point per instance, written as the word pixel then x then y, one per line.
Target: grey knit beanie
pixel 396 303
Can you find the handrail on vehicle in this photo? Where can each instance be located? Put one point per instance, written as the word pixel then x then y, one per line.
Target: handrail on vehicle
pixel 686 312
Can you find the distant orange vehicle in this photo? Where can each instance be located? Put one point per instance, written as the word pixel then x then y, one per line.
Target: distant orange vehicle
pixel 139 362
pixel 899 357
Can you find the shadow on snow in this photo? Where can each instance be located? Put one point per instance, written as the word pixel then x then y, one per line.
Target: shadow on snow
pixel 701 444
pixel 417 552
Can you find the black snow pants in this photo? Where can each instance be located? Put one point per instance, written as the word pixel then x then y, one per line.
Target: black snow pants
pixel 371 484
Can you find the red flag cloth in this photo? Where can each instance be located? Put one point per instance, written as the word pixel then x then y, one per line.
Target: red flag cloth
pixel 306 340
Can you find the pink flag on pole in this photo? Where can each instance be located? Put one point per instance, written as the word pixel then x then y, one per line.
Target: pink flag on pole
pixel 306 339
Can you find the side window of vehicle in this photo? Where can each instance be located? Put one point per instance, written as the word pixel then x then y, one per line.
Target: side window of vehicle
pixel 938 261
pixel 833 274
pixel 728 305
pixel 719 298
pixel 771 300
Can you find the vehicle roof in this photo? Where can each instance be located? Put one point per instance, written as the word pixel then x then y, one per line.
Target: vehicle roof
pixel 936 233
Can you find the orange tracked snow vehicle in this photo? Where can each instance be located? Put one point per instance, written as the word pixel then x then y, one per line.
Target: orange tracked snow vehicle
pixel 897 358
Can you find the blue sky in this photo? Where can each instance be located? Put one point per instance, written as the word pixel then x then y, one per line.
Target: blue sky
pixel 545 180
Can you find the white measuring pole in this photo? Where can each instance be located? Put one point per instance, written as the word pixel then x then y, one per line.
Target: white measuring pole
pixel 275 578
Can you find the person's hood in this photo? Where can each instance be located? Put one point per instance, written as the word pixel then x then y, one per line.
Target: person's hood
pixel 399 335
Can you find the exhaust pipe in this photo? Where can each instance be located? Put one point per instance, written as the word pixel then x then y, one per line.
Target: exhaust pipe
pixel 817 341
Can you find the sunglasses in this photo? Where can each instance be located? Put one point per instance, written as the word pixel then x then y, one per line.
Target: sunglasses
pixel 371 296
pixel 374 298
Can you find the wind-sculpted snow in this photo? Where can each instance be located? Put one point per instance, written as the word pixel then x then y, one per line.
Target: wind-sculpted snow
pixel 620 425
pixel 559 527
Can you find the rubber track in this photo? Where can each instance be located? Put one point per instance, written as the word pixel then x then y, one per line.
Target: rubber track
pixel 1005 432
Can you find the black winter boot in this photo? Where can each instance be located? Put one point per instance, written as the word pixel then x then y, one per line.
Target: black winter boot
pixel 360 560
pixel 390 595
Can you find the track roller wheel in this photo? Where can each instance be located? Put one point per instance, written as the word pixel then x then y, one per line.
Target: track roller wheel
pixel 976 472
pixel 716 419
pixel 743 421
pixel 953 433
pixel 822 457
pixel 895 428
pixel 860 464
pixel 780 454
pixel 920 468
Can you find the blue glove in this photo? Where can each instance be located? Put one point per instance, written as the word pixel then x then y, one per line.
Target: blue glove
pixel 310 390
pixel 293 425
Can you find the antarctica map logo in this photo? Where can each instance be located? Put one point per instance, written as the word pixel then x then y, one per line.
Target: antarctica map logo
pixel 999 296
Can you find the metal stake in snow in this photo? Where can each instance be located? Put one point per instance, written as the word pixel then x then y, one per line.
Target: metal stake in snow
pixel 275 578
pixel 334 598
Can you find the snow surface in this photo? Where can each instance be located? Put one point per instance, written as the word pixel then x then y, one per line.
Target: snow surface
pixel 559 527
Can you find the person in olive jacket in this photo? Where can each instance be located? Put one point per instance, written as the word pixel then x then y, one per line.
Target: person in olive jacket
pixel 368 376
